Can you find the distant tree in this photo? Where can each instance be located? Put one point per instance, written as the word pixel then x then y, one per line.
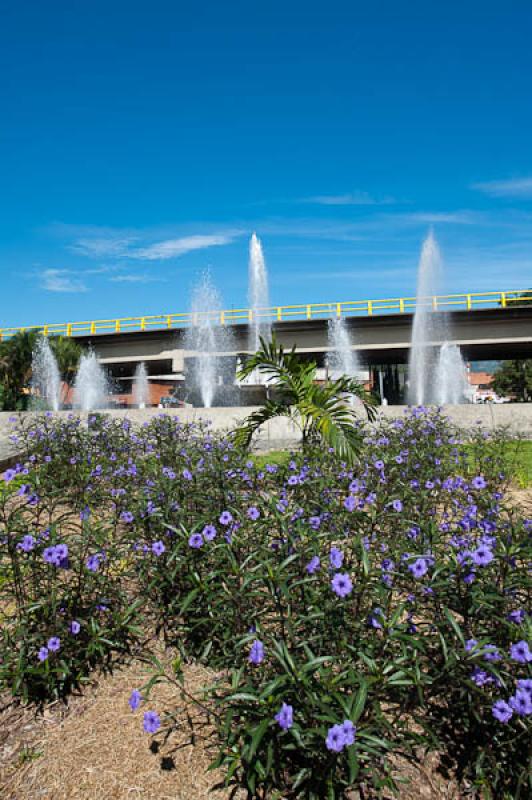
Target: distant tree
pixel 16 356
pixel 15 369
pixel 519 299
pixel 514 378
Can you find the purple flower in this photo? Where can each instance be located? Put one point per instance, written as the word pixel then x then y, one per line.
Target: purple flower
pixel 419 567
pixel 379 465
pixel 54 643
pixel 341 584
pixel 285 716
pixel 196 541
pixel 84 513
pixel 397 505
pixel 336 558
pixel 521 652
pixel 521 703
pixel 349 732
pixel 9 474
pixel 375 618
pixel 42 655
pixel 158 548
pixel 226 518
pixel 491 653
pixel 209 533
pixel 478 482
pixel 516 617
pixel 151 723
pixel 51 556
pixel 127 516
pixel 470 644
pixel 253 513
pixel 313 565
pixel 27 543
pixel 502 711
pixel 256 653
pixel 75 627
pixel 481 677
pixel 93 562
pixel 350 503
pixel 135 699
pixel 335 739
pixel 187 475
pixel 482 556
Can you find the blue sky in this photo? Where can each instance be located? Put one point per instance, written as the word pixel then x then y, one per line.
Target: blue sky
pixel 141 143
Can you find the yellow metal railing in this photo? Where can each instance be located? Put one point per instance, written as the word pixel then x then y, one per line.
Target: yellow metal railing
pixel 308 311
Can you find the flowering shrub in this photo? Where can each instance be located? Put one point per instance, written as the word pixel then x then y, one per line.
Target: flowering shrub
pixel 64 609
pixel 353 613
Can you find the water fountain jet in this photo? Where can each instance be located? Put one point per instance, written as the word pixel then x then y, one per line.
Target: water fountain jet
pixel 141 389
pixel 207 341
pixel 91 388
pixel 451 384
pixel 45 380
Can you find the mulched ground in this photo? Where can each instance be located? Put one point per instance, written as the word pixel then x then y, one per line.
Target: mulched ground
pixel 97 749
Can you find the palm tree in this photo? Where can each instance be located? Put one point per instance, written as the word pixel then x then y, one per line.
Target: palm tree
pixel 320 411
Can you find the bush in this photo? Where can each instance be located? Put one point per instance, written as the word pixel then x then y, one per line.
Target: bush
pixel 354 614
pixel 64 606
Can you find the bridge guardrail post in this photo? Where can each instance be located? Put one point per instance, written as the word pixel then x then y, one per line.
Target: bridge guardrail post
pixel 503 299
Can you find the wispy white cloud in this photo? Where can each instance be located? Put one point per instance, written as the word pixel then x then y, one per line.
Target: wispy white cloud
pixel 102 246
pixel 437 217
pixel 171 248
pixel 513 187
pixel 132 278
pixel 130 247
pixel 59 280
pixel 357 198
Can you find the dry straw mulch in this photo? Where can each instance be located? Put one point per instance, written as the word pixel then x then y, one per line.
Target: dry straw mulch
pixel 98 750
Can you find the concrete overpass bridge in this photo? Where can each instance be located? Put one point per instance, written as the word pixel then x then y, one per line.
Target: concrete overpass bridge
pixel 493 325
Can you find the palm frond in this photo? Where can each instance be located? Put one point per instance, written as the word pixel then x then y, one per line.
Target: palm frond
pixel 243 435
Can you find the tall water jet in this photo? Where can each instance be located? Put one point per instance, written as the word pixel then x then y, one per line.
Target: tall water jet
pixel 428 328
pixel 207 340
pixel 45 377
pixel 258 295
pixel 141 389
pixel 91 386
pixel 451 383
pixel 342 358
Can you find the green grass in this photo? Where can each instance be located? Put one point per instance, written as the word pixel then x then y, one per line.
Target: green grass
pixel 519 456
pixel 275 457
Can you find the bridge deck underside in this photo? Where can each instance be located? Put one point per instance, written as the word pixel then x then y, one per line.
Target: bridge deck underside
pixel 482 334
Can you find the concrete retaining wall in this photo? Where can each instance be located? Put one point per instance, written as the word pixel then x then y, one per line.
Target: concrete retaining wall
pixel 281 433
